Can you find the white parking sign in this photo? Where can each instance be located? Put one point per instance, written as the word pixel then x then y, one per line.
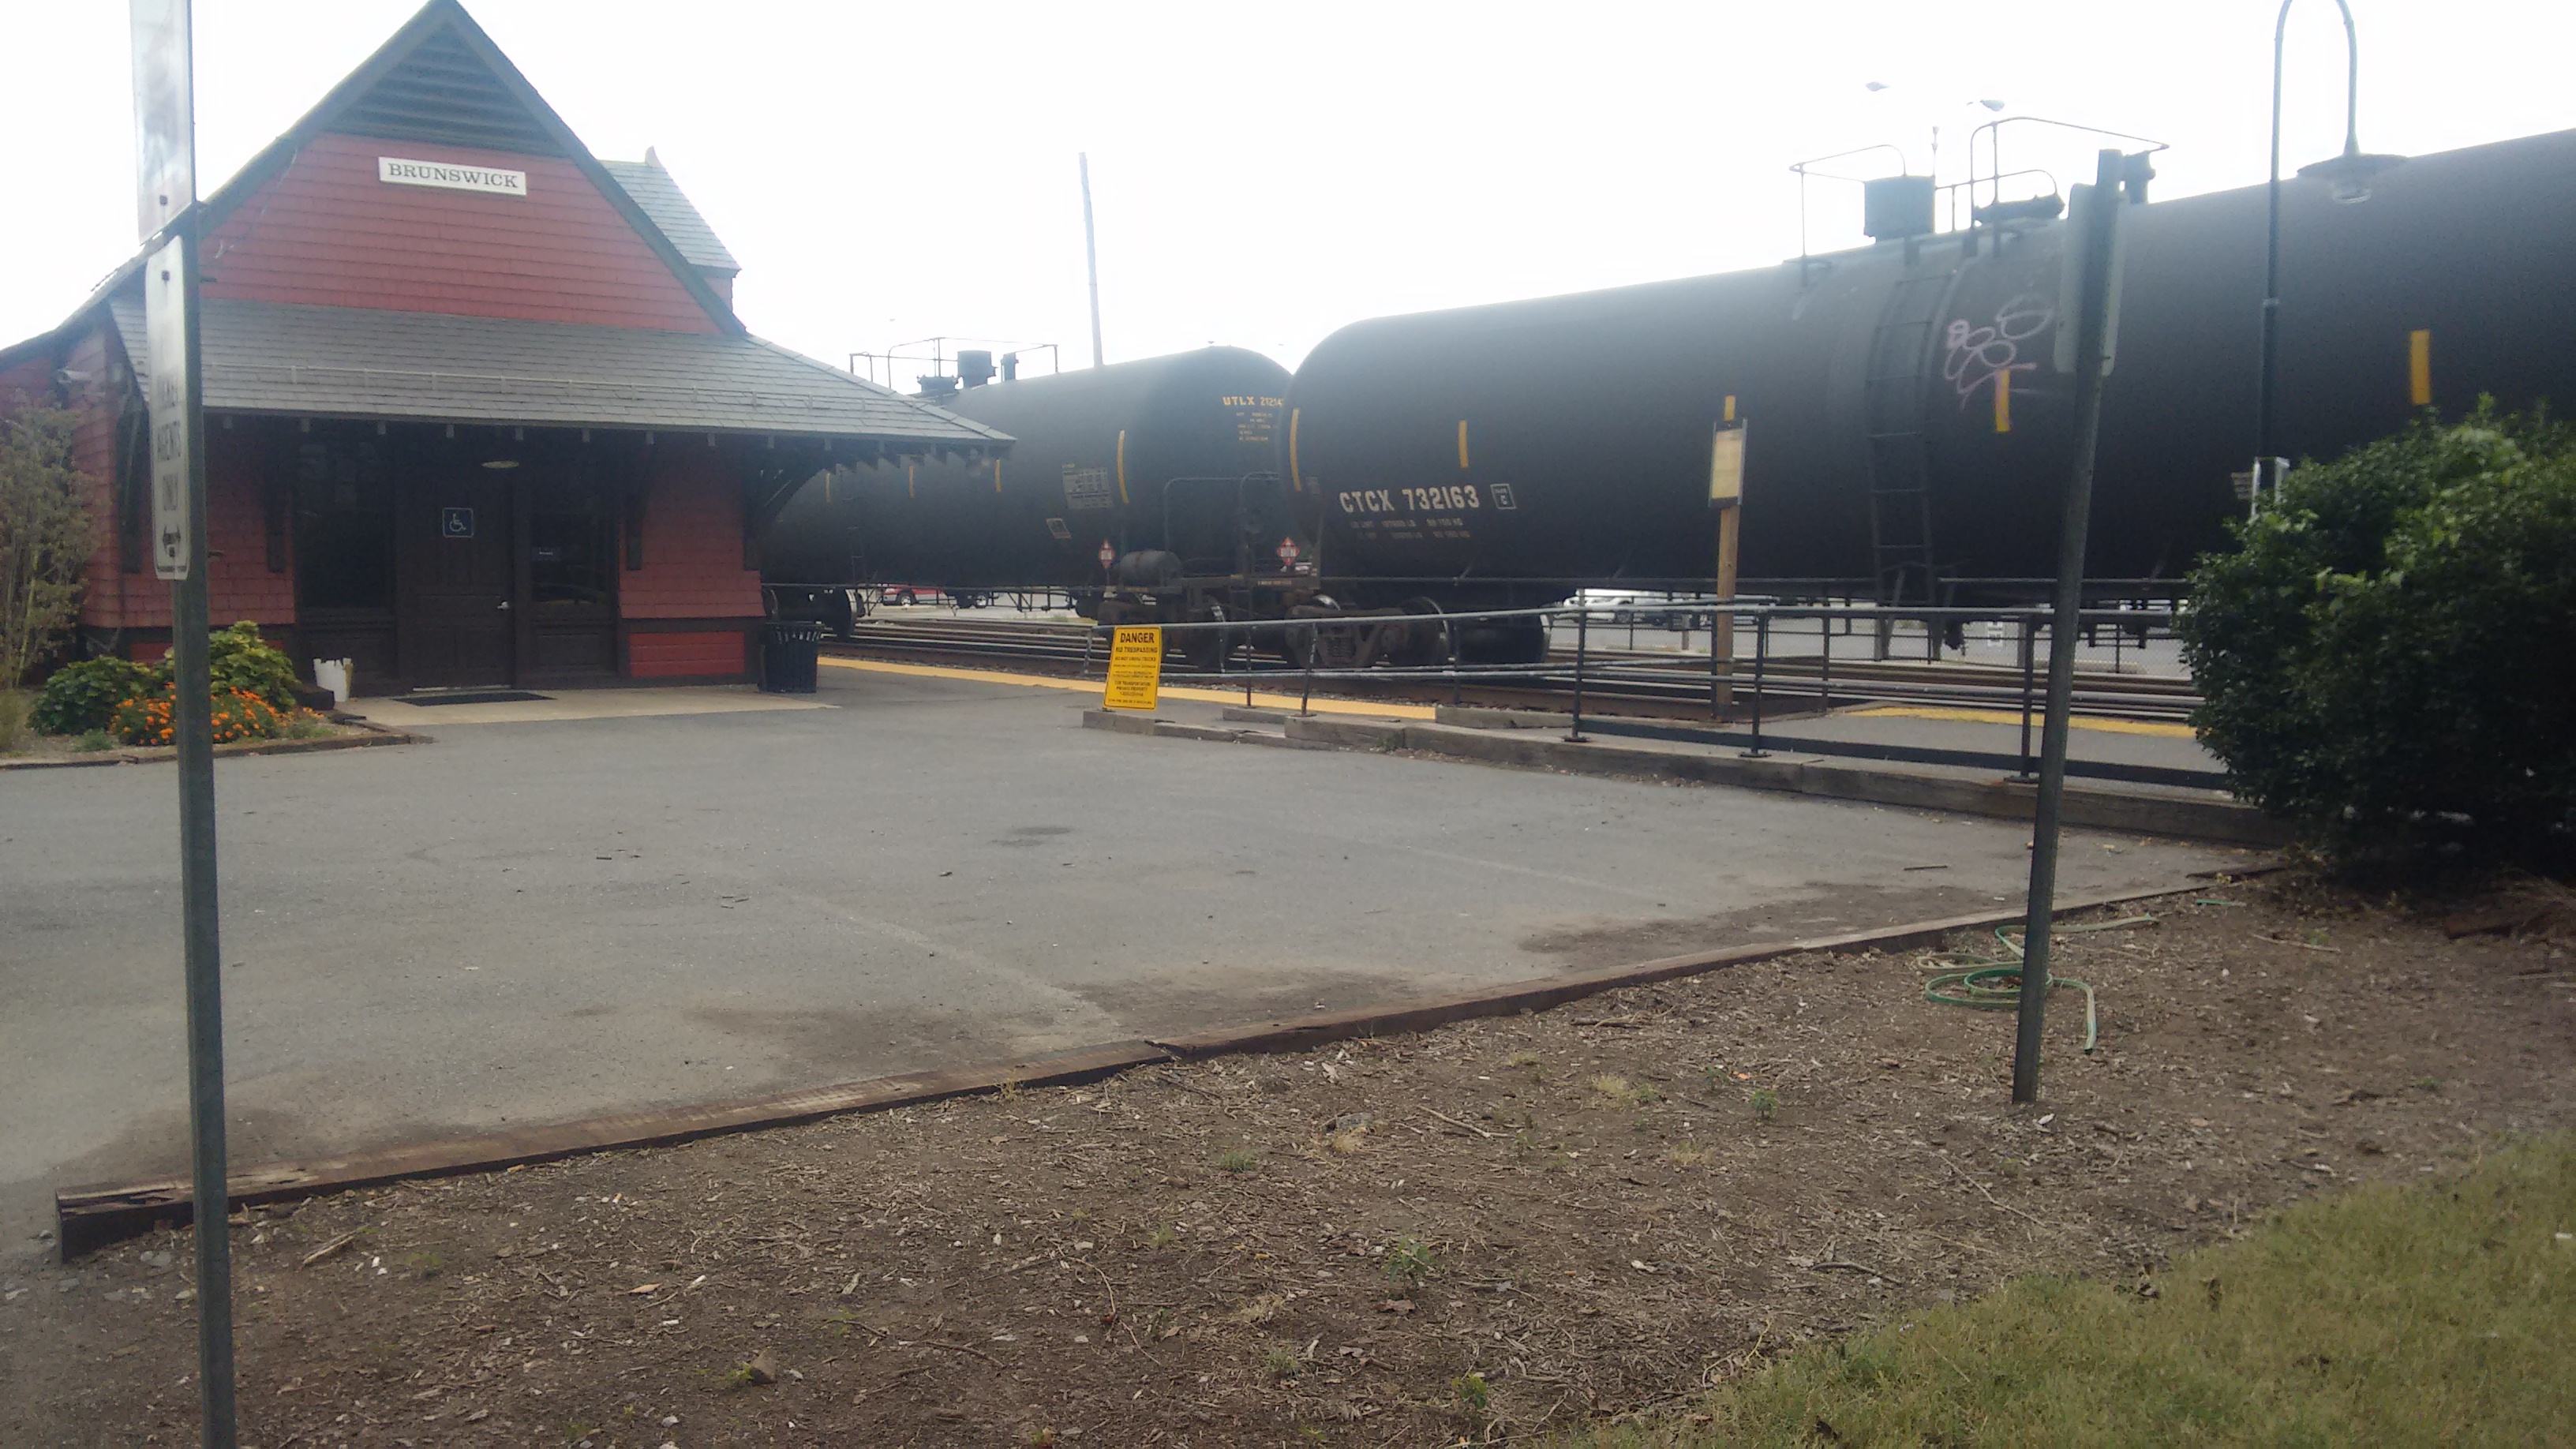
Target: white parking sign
pixel 166 322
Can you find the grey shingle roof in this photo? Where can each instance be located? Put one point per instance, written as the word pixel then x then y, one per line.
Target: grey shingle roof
pixel 650 183
pixel 368 363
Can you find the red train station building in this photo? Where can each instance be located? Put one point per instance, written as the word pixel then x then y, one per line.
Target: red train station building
pixel 478 409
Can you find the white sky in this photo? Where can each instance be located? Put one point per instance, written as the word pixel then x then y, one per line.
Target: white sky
pixel 1266 173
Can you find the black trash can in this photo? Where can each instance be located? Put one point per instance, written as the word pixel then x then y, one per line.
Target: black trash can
pixel 789 649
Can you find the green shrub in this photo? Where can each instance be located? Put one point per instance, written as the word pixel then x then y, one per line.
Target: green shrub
pixel 84 696
pixel 237 658
pixel 2386 657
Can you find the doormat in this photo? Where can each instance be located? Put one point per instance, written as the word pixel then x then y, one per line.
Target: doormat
pixel 470 696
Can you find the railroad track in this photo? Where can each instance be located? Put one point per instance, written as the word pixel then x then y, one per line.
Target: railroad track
pixel 1640 681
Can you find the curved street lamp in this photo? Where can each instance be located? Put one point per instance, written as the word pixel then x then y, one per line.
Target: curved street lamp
pixel 2349 174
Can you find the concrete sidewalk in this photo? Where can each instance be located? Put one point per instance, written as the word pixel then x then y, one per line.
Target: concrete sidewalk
pixel 575 704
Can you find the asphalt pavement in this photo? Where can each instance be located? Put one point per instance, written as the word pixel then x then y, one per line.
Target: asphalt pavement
pixel 528 922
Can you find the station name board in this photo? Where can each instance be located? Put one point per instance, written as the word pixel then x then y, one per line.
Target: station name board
pixel 396 171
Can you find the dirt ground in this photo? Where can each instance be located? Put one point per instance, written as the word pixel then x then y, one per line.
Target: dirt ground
pixel 1501 1227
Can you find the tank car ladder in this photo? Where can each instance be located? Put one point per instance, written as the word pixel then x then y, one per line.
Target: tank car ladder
pixel 1900 465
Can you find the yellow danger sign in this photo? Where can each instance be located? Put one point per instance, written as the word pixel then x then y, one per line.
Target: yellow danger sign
pixel 1135 668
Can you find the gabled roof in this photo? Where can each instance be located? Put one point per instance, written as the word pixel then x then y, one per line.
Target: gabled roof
pixel 650 183
pixel 443 87
pixel 365 362
pixel 403 91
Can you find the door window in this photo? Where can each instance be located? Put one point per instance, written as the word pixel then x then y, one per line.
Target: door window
pixel 344 527
pixel 571 540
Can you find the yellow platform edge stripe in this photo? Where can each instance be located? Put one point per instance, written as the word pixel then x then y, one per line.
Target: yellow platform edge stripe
pixel 2159 728
pixel 1260 700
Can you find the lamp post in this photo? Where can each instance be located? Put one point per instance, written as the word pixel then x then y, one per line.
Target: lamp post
pixel 2350 174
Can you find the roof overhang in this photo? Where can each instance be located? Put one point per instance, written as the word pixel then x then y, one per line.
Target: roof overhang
pixel 267 358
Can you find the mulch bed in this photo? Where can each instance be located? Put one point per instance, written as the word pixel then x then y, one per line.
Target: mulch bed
pixel 64 751
pixel 1493 1231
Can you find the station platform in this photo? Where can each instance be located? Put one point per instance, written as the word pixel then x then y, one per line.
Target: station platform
pixel 2136 777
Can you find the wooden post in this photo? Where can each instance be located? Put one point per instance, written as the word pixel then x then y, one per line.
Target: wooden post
pixel 1726 495
pixel 1721 644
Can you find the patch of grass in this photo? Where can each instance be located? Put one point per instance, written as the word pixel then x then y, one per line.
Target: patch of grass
pixel 1346 1143
pixel 1281 1362
pixel 304 725
pixel 1763 1101
pixel 1475 1396
pixel 2421 1314
pixel 1238 1159
pixel 1161 1238
pixel 1626 1093
pixel 1523 1059
pixel 1409 1259
pixel 92 741
pixel 1009 1091
pixel 1688 1154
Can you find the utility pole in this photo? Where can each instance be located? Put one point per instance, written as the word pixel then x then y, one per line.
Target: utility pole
pixel 166 214
pixel 1091 260
pixel 2089 300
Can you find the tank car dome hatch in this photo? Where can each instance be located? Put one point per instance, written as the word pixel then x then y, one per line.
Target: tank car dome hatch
pixel 1896 207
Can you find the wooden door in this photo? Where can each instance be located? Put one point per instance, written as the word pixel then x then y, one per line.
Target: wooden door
pixel 458 577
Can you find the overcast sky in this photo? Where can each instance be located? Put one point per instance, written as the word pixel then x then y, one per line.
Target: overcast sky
pixel 1267 173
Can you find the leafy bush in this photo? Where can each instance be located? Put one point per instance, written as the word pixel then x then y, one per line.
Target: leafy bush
pixel 147 719
pixel 2387 657
pixel 84 696
pixel 237 658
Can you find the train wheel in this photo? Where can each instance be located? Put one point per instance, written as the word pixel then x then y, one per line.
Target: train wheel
pixel 1424 645
pixel 1202 649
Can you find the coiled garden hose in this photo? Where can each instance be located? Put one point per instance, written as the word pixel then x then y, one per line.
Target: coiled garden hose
pixel 1993 983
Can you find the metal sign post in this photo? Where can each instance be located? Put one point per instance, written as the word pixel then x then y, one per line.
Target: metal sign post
pixel 165 130
pixel 2092 303
pixel 1091 265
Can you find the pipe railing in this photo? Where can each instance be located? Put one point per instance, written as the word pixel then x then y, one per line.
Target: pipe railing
pixel 1302 639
